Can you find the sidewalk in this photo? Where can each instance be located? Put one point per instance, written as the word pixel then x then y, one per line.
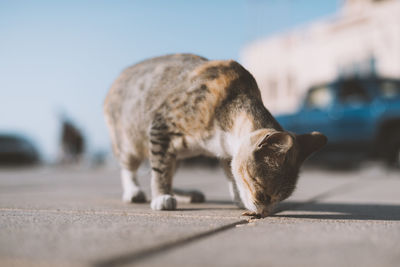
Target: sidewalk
pixel 72 217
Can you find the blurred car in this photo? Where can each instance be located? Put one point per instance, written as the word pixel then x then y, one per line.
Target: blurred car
pixel 17 150
pixel 360 117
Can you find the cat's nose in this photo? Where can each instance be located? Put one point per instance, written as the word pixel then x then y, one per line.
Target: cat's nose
pixel 266 211
pixel 263 213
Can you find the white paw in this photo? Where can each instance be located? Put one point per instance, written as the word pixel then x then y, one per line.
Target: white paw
pixel 136 196
pixel 163 202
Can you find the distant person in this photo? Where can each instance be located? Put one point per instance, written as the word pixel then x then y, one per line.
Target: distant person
pixel 72 143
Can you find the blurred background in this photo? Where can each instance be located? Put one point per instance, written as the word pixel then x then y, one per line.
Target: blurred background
pixel 329 65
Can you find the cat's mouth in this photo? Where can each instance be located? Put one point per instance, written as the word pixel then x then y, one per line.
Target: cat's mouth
pixel 262 212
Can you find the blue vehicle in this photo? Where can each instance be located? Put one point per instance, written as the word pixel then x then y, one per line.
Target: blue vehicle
pixel 360 117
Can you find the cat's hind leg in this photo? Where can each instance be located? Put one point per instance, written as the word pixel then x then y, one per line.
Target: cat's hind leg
pixel 132 193
pixel 189 196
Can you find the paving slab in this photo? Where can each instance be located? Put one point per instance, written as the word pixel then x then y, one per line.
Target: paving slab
pixel 280 241
pixel 74 217
pixel 82 238
pixel 355 221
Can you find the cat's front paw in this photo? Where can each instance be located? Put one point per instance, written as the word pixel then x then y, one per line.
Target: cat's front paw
pixel 134 197
pixel 163 202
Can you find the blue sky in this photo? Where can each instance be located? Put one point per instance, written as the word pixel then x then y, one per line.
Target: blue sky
pixel 62 56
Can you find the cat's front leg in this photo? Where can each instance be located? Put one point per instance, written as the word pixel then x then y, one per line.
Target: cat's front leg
pixel 162 169
pixel 163 163
pixel 233 190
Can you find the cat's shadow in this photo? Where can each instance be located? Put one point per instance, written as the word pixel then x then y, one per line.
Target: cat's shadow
pixel 320 211
pixel 339 211
pixel 215 205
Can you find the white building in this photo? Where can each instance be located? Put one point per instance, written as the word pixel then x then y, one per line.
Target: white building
pixel 363 37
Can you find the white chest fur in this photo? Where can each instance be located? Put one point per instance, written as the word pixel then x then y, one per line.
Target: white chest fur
pixel 219 144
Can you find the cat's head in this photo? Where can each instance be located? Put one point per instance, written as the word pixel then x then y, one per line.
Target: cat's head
pixel 266 166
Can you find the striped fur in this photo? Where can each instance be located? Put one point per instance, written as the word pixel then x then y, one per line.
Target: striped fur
pixel 177 106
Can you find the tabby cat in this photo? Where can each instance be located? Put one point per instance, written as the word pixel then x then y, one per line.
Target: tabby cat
pixel 177 106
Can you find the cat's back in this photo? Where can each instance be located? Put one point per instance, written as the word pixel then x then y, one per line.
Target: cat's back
pixel 146 84
pixel 138 93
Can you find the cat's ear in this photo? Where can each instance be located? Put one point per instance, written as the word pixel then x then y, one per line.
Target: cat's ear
pixel 310 143
pixel 279 141
pixel 273 147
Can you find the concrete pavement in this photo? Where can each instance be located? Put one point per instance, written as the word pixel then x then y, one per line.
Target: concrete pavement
pixel 74 217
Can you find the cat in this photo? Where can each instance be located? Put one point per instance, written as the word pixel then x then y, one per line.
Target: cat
pixel 171 107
